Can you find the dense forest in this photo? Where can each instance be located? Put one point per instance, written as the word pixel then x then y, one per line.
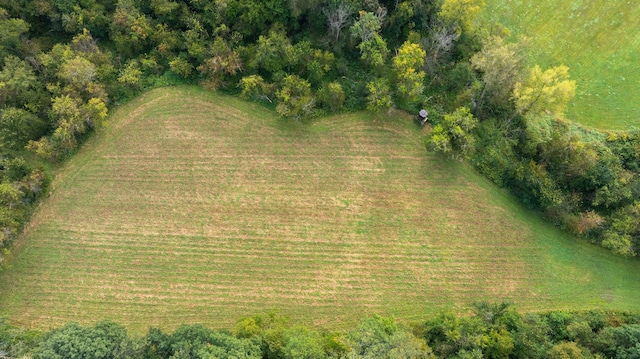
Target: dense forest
pixel 491 331
pixel 66 62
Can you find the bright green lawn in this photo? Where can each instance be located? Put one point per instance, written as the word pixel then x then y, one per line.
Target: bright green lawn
pixel 197 207
pixel 600 42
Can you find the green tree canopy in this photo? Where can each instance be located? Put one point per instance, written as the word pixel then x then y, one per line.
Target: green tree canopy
pixel 367 25
pixel 301 343
pixel 460 14
pixel 199 342
pixel 565 350
pixel 11 32
pixel 379 97
pixel 17 79
pixel 372 46
pixel 501 65
pixel 332 96
pixel 18 126
pixel 406 65
pixel 453 134
pixel 222 60
pixel 380 337
pixel 295 98
pixel 104 341
pixel 271 51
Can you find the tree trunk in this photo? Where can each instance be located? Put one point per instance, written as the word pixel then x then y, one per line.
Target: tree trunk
pixel 477 111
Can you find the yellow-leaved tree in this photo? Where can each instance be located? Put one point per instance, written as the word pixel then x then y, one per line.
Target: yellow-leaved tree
pixel 541 91
pixel 406 65
pixel 459 15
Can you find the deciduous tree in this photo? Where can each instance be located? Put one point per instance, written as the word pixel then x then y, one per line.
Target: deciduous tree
pixel 501 65
pixel 338 15
pixel 223 60
pixel 295 98
pixel 459 15
pixel 271 51
pixel 181 66
pixel 301 343
pixel 623 234
pixel 497 344
pixel 565 350
pixel 130 28
pixel 72 341
pixel 254 87
pixel 549 90
pixel 18 126
pixel 332 96
pixel 406 65
pixel 374 51
pixel 78 72
pixel 379 97
pixel 299 7
pixel 318 63
pixel 367 25
pixel 131 74
pixel 11 32
pixel 372 46
pixel 195 40
pixel 251 18
pixel 380 337
pixel 17 78
pixel 10 195
pixel 453 134
pixel 439 45
pixel 73 118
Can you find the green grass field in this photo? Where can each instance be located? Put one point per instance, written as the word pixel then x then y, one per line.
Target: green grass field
pixel 600 42
pixel 194 207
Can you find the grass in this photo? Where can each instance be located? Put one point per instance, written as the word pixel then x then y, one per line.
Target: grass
pixel 194 207
pixel 599 41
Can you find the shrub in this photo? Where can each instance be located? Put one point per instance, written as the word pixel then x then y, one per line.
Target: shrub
pixel 18 126
pixel 565 350
pixel 379 97
pixel 585 222
pixel 331 96
pixel 453 136
pixel 181 66
pixel 254 87
pixel 295 98
pixel 618 243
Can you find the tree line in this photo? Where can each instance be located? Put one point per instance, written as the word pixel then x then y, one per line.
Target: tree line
pixel 489 331
pixel 66 62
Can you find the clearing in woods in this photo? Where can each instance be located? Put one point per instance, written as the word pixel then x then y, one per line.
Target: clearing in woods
pixel 599 41
pixel 194 207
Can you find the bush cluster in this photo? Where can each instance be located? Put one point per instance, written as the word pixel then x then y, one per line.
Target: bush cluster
pixel 584 181
pixel 491 331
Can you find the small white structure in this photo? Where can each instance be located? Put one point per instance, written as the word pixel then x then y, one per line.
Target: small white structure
pixel 423 117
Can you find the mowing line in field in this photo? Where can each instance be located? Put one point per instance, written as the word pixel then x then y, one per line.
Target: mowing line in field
pixel 197 207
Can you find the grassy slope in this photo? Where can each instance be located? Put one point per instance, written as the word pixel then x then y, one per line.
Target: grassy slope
pixel 599 40
pixel 197 207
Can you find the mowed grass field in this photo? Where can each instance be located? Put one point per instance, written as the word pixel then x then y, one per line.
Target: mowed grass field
pixel 600 42
pixel 194 207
